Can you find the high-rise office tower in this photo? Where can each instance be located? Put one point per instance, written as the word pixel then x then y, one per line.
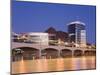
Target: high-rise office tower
pixel 77 33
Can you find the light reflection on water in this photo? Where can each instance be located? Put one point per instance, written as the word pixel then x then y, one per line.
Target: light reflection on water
pixel 59 64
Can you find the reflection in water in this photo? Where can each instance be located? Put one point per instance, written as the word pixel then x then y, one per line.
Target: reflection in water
pixel 59 64
pixel 77 63
pixel 45 62
pixel 67 64
pixel 22 63
pixel 90 62
pixel 84 62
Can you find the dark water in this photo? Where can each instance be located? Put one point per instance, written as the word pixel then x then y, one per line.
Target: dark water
pixel 59 64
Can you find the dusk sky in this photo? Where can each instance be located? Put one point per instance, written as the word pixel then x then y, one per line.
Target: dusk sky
pixel 37 17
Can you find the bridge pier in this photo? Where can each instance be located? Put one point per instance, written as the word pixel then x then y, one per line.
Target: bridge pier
pixel 72 53
pixel 40 54
pixel 83 52
pixel 59 53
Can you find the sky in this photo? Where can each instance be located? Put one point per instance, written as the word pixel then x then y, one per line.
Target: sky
pixel 38 17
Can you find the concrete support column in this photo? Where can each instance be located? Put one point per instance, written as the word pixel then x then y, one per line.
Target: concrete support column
pixel 59 51
pixel 22 58
pixel 83 51
pixel 72 53
pixel 40 54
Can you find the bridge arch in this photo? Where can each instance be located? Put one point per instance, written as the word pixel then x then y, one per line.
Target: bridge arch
pixel 66 53
pixel 49 53
pixel 90 53
pixel 78 52
pixel 25 53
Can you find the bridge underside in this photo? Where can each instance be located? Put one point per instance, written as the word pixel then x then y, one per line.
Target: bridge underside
pixel 78 53
pixel 49 53
pixel 66 53
pixel 90 53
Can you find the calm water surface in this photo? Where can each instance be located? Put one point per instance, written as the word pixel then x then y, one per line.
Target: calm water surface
pixel 59 64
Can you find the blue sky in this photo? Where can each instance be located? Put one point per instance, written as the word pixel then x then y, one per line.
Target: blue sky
pixel 37 17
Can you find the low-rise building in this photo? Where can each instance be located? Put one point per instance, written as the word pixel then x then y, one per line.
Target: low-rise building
pixel 38 38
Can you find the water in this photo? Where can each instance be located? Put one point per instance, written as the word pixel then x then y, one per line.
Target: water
pixel 59 64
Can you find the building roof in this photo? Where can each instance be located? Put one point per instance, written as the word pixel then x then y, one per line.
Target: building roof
pixel 37 33
pixel 76 22
pixel 13 33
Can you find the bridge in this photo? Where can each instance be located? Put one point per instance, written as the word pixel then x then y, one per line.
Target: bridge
pixel 28 51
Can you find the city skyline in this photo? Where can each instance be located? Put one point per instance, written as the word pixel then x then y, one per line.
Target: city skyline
pixel 37 17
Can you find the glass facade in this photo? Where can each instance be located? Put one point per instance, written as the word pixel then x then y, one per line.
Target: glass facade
pixel 77 33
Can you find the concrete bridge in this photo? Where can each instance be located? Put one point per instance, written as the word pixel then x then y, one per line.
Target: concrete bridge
pixel 36 51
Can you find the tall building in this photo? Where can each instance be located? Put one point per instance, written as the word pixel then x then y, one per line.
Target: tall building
pixel 77 33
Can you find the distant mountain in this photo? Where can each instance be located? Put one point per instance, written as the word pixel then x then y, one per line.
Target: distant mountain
pixel 59 34
pixel 51 30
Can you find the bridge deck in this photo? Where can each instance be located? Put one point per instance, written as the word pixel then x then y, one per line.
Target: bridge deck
pixel 41 47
